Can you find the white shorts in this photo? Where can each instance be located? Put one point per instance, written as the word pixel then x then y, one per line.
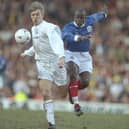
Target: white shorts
pixel 49 70
pixel 82 59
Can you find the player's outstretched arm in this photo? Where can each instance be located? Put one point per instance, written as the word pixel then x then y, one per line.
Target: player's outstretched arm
pixel 23 54
pixel 29 52
pixel 85 37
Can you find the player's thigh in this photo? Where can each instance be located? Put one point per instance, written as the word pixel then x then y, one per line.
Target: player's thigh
pixel 59 91
pixel 62 91
pixel 46 87
pixel 72 70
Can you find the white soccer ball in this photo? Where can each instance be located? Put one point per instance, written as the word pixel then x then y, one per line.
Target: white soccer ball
pixel 22 36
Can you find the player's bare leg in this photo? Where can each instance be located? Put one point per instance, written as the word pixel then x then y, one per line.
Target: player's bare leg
pixel 73 87
pixel 59 92
pixel 84 80
pixel 46 90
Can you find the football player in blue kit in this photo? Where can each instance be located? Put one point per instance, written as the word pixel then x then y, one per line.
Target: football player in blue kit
pixel 77 35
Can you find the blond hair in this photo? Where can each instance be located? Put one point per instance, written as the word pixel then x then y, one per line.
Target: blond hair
pixel 36 5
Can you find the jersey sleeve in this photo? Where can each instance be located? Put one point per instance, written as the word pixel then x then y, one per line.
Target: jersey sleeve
pixel 56 42
pixel 96 17
pixel 67 34
pixel 30 51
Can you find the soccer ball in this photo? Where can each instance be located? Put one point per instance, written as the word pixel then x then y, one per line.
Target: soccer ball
pixel 22 36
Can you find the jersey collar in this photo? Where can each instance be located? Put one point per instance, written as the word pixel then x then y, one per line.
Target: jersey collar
pixel 77 25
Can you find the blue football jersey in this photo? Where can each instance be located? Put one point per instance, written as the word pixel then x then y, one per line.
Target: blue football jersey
pixel 70 30
pixel 3 63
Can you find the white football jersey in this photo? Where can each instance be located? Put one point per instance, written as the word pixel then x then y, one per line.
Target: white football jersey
pixel 47 42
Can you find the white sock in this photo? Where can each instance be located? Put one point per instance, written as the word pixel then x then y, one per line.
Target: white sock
pixel 49 107
pixel 75 100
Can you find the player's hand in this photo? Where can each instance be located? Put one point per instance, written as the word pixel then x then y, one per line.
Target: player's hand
pixel 22 55
pixel 85 37
pixel 61 62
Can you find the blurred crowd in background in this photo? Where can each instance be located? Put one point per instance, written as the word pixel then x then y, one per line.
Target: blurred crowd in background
pixel 109 48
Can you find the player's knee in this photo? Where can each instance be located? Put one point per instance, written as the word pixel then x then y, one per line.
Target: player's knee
pixel 63 93
pixel 73 78
pixel 84 84
pixel 46 94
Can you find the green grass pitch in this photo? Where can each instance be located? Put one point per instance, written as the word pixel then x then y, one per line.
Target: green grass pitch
pixel 26 119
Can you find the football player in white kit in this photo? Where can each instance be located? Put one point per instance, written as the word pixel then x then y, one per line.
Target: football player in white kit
pixel 48 51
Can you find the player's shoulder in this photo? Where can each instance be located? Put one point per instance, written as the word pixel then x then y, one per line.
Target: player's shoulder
pixel 90 18
pixel 69 25
pixel 50 25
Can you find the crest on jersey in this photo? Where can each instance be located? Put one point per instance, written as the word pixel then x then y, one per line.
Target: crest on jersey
pixel 89 29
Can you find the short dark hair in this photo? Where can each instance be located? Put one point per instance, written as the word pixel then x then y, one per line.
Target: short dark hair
pixel 80 11
pixel 36 5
